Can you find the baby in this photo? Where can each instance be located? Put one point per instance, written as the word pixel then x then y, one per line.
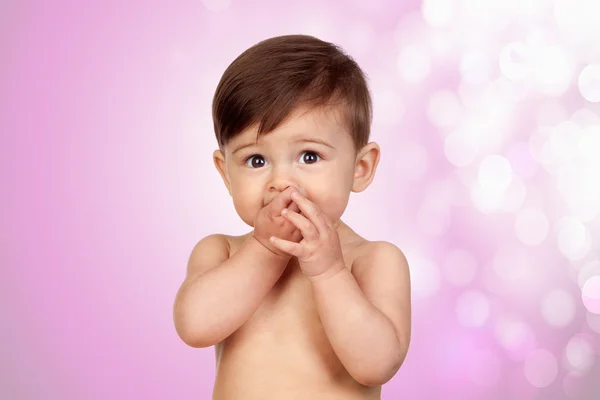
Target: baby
pixel 301 307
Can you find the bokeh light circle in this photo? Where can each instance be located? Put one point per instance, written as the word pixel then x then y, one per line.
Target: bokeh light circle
pixel 473 308
pixel 589 83
pixel 591 294
pixel 540 368
pixel 495 173
pixel 413 63
pixel 532 226
pixel 459 267
pixel 593 321
pixel 558 308
pixel 588 270
pixel 460 148
pixel 573 238
pixel 515 60
pixel 579 354
pixel 444 109
pixel 424 275
pixel 515 336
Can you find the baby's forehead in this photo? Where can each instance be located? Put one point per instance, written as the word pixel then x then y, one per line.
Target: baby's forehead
pixel 301 125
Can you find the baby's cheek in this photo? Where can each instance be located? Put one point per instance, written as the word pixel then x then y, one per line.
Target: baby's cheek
pixel 334 203
pixel 247 203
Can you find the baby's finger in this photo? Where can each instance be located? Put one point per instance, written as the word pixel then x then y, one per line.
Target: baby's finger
pixel 281 201
pixel 293 207
pixel 306 227
pixel 286 246
pixel 310 210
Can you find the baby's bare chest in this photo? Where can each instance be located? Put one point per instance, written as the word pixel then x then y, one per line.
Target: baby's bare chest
pixel 285 335
pixel 287 318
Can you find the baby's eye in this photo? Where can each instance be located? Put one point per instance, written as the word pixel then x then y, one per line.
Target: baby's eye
pixel 255 161
pixel 309 157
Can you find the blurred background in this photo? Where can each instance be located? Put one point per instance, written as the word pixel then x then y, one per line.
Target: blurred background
pixel 488 116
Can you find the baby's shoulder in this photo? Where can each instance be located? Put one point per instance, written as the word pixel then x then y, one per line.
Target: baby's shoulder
pixel 234 242
pixel 367 252
pixel 207 253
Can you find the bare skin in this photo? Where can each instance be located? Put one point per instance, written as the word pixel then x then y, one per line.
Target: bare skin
pixel 301 307
pixel 282 351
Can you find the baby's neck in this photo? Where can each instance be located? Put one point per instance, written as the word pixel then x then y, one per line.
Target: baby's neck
pixel 345 233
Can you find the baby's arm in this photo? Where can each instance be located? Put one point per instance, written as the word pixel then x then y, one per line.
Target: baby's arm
pixel 367 313
pixel 220 293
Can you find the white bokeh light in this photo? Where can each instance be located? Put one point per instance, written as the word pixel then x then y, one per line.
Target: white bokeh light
pixel 574 240
pixel 485 200
pixel 444 109
pixel 591 294
pixel 515 61
pixel 589 143
pixel 589 83
pixel 476 68
pixel 540 368
pixel 532 226
pixel 460 148
pixel 438 13
pixel 585 117
pixel 459 267
pixel 390 106
pixel 553 70
pixel 579 354
pixel 588 270
pixel 578 20
pixel 563 141
pixel 558 308
pixel 514 196
pixel 513 334
pixel 495 173
pixel 413 63
pixel 473 309
pixel 424 275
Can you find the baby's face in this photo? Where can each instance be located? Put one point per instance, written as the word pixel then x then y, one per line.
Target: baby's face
pixel 311 151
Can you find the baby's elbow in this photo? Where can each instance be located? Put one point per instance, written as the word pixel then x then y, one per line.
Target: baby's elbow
pixel 190 333
pixel 380 374
pixel 374 377
pixel 193 338
pixel 189 339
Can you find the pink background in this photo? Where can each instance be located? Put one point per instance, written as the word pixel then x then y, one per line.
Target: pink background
pixel 488 117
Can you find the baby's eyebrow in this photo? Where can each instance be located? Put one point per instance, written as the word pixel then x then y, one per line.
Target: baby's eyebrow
pixel 243 146
pixel 313 140
pixel 297 140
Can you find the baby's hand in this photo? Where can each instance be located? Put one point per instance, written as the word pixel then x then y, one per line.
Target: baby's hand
pixel 269 222
pixel 319 253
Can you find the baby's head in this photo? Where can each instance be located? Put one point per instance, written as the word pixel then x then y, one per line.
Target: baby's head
pixel 293 111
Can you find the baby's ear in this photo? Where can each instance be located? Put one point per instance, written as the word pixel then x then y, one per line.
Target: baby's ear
pixel 219 160
pixel 367 160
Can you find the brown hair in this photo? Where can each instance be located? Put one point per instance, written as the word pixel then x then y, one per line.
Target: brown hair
pixel 265 83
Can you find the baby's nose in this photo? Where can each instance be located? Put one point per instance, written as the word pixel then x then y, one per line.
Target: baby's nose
pixel 272 194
